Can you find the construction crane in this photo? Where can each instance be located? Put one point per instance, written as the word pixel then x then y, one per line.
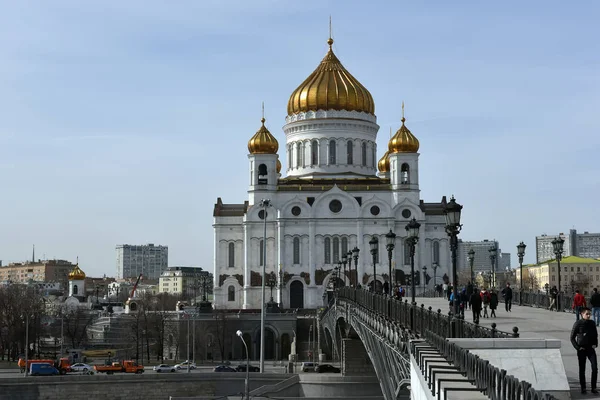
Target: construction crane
pixel 135 286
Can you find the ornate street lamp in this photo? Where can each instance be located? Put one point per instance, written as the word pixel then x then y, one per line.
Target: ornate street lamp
pixel 424 278
pixel 271 283
pixel 471 258
pixel 247 381
pixel 390 238
pixel 355 252
pixel 493 257
pixel 344 262
pixel 453 227
pixel 374 245
pixel 349 258
pixel 412 230
pixel 521 253
pixel 557 244
pixel 336 272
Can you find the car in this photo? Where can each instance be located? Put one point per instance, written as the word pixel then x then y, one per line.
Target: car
pixel 223 368
pixel 308 366
pixel 242 368
pixel 184 365
pixel 327 368
pixel 81 367
pixel 164 368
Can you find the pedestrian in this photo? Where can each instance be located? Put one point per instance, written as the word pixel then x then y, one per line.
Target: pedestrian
pixel 445 290
pixel 493 303
pixel 553 296
pixel 584 338
pixel 595 303
pixel 469 293
pixel 485 299
pixel 386 288
pixel 578 304
pixel 475 301
pixel 508 294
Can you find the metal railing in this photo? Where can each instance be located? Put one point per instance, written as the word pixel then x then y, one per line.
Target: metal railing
pixel 491 381
pixel 419 319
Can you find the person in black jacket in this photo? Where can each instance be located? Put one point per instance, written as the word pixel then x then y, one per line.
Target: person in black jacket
pixel 507 293
pixel 584 338
pixel 493 303
pixel 475 301
pixel 595 303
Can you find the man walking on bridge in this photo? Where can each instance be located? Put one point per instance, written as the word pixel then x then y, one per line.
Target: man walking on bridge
pixel 595 303
pixel 584 338
pixel 507 293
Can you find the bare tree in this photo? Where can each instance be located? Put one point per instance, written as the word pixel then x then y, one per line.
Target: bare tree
pixel 530 281
pixel 76 321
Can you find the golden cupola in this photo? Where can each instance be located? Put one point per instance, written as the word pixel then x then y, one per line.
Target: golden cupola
pixel 403 141
pixel 384 163
pixel 77 274
pixel 331 87
pixel 263 142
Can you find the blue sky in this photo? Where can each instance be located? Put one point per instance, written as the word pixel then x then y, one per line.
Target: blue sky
pixel 123 121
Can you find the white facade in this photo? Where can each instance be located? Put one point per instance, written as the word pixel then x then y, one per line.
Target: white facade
pixel 148 260
pixel 330 202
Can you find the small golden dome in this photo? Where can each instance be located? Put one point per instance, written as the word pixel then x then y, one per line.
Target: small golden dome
pixel 403 141
pixel 331 87
pixel 263 142
pixel 384 163
pixel 77 274
pixel 278 166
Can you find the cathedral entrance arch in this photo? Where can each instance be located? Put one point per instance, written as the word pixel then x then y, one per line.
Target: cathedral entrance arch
pixel 296 295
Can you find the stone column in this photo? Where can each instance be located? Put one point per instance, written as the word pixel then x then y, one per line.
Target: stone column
pixel 246 267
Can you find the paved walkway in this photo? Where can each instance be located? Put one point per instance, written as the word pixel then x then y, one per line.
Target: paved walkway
pixel 533 323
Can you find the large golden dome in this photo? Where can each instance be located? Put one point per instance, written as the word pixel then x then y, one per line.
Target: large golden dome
pixel 77 274
pixel 263 142
pixel 384 163
pixel 331 87
pixel 403 141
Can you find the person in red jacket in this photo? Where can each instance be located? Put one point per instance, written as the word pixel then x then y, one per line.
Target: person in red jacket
pixel 578 303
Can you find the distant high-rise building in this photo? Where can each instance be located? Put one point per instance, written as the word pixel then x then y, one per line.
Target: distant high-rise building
pixel 148 260
pixel 482 260
pixel 504 262
pixel 588 242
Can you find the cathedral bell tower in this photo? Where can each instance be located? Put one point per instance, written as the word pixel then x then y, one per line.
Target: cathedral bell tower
pixel 404 160
pixel 264 163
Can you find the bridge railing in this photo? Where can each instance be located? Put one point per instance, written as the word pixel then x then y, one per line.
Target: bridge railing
pixel 542 300
pixel 419 319
pixel 491 380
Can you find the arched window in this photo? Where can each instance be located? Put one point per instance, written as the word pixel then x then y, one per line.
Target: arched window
pixel 436 252
pixel 344 245
pixel 296 250
pixel 231 255
pixel 299 155
pixel 314 158
pixel 364 154
pixel 349 151
pixel 404 173
pixel 262 174
pixel 262 169
pixel 332 152
pixel 261 252
pixel 75 290
pixel 327 250
pixel 336 250
pixel 231 293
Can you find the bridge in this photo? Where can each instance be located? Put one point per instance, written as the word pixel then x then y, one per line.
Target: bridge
pixel 397 341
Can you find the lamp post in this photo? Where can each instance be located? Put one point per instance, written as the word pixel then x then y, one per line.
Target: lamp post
pixel 344 262
pixel 272 282
pixel 521 252
pixel 424 279
pixel 557 244
pixel 264 203
pixel 412 229
pixel 97 294
pixel 471 258
pixel 374 245
pixel 493 253
pixel 335 274
pixel 453 227
pixel 390 238
pixel 355 252
pixel 247 382
pixel 349 258
pixel 435 267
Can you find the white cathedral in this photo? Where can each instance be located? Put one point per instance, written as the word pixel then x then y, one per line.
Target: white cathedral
pixel 335 198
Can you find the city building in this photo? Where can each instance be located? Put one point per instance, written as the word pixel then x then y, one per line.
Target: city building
pixel 338 194
pixel 482 262
pixel 585 245
pixel 148 260
pixel 189 281
pixel 576 273
pixel 41 271
pixel 544 250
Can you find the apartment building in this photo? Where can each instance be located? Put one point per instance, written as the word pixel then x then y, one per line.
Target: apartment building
pixel 148 260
